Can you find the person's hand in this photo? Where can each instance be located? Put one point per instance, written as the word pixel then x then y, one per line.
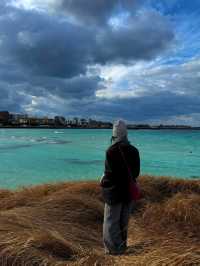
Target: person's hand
pixel 101 180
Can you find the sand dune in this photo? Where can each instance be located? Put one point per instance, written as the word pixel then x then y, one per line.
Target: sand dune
pixel 61 224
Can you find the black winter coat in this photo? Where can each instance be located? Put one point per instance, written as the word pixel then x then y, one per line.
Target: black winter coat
pixel 116 179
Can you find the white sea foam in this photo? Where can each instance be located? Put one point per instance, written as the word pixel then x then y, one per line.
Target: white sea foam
pixel 59 132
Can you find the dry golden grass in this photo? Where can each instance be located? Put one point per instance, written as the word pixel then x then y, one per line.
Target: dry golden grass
pixel 61 224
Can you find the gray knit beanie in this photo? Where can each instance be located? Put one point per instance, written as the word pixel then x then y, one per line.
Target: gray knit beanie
pixel 119 130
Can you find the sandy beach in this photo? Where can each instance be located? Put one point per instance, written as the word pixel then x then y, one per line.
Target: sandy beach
pixel 61 224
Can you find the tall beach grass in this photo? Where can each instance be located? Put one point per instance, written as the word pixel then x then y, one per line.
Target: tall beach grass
pixel 61 224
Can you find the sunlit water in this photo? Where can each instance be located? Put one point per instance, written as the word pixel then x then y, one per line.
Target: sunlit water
pixel 34 156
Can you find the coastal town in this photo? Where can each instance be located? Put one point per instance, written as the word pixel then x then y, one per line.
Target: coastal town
pixel 13 120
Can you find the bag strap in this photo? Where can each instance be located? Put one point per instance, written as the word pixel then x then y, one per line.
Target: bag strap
pixel 124 159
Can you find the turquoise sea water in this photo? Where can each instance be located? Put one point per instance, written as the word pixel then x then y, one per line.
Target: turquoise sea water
pixel 34 156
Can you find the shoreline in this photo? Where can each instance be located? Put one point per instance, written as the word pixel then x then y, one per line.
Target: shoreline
pixel 136 128
pixel 195 178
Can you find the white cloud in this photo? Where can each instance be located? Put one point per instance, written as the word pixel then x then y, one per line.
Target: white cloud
pixel 142 79
pixel 35 4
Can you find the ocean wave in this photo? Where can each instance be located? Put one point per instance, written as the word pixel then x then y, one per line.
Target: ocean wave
pixel 59 132
pixel 15 147
pixel 58 142
pixel 83 162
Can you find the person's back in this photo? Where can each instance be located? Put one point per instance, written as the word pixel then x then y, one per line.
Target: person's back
pixel 121 159
pixel 122 166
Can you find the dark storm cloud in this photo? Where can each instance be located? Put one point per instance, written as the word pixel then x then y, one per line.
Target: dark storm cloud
pixel 11 99
pixel 143 37
pixel 12 74
pixel 3 7
pixel 42 56
pixel 45 45
pixel 48 46
pixel 47 57
pixel 76 87
pixel 161 105
pixel 97 12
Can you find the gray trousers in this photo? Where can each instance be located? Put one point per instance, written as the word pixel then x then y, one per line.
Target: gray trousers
pixel 115 226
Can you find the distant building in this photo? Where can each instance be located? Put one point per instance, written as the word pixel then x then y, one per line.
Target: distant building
pixel 51 122
pixel 60 120
pixel 83 122
pixel 33 121
pixel 4 117
pixel 75 122
pixel 18 119
pixel 43 121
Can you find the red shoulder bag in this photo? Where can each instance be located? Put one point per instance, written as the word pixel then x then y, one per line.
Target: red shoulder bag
pixel 134 189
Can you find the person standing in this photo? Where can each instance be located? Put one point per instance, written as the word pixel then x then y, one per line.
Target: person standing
pixel 122 158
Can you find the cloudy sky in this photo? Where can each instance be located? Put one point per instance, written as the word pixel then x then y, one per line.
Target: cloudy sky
pixel 107 59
